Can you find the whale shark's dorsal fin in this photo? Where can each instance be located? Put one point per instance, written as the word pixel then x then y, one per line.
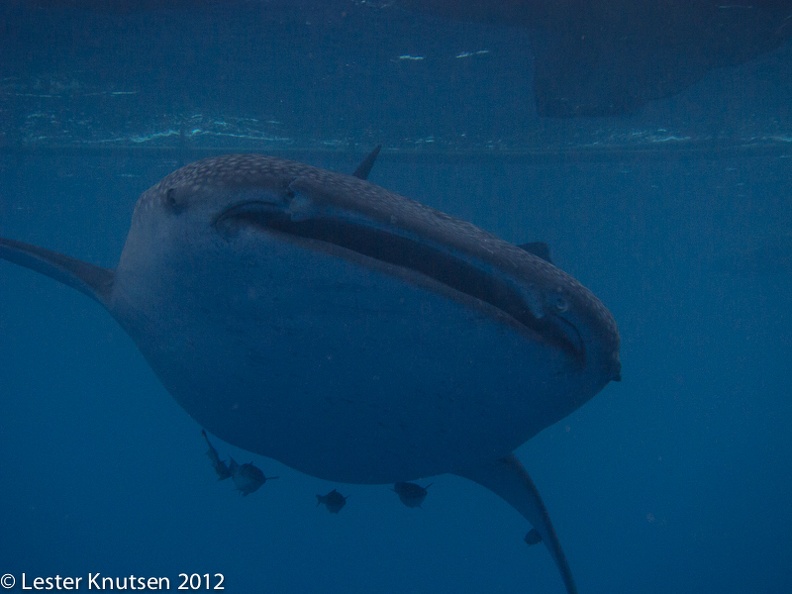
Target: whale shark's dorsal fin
pixel 94 281
pixel 366 164
pixel 507 478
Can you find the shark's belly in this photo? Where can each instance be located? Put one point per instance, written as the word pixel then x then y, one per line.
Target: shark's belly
pixel 345 371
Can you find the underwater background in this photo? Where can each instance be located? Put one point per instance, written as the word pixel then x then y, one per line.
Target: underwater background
pixel 678 216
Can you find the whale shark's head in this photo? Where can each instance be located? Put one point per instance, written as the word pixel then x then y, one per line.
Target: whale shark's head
pixel 215 201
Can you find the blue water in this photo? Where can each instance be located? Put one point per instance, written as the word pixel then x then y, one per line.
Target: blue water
pixel 674 480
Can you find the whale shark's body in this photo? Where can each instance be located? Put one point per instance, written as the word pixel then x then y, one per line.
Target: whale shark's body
pixel 347 331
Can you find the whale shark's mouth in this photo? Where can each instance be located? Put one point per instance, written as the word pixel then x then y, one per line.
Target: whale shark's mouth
pixel 398 247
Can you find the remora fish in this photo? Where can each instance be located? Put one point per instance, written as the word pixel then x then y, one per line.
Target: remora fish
pixel 333 501
pixel 411 494
pixel 247 477
pixel 347 331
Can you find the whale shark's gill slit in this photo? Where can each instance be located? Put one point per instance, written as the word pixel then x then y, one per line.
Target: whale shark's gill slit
pixel 443 266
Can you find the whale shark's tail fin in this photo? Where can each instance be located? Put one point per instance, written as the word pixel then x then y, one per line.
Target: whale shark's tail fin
pixel 507 478
pixel 94 281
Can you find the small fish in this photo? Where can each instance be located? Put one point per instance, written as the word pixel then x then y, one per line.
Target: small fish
pixel 333 501
pixel 411 494
pixel 220 467
pixel 247 477
pixel 533 537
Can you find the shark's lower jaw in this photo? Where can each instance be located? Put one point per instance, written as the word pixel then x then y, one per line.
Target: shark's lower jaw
pixel 387 244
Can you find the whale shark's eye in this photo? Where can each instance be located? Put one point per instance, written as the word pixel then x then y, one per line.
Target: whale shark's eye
pixel 173 202
pixel 559 303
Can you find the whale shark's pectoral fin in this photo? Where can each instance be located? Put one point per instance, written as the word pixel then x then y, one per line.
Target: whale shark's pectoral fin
pixel 94 281
pixel 366 164
pixel 507 478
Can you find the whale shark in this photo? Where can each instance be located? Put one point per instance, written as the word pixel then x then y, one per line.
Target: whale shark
pixel 346 331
